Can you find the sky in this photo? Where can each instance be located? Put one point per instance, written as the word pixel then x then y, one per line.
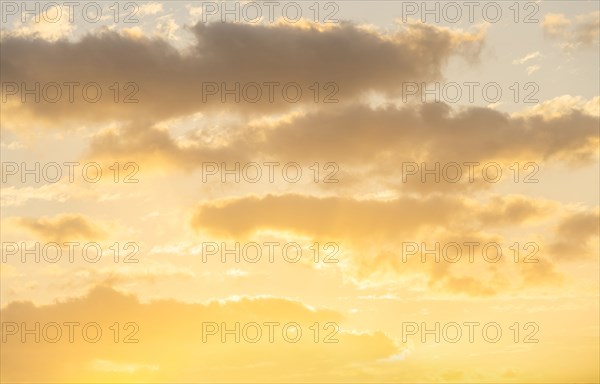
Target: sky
pixel 334 191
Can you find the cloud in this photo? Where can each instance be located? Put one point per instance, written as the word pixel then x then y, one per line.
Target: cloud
pixel 542 273
pixel 587 29
pixel 346 218
pixel 169 82
pixel 15 196
pixel 331 217
pixel 167 28
pixel 433 132
pixel 576 237
pixel 509 209
pixel 374 236
pixel 63 227
pixel 376 144
pixel 532 69
pixel 44 28
pixel 563 105
pixel 555 24
pixel 583 31
pixel 150 9
pixel 168 325
pixel 527 57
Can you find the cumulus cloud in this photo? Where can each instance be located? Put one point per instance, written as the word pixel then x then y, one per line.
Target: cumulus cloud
pixel 169 83
pixel 346 218
pixel 380 142
pixel 169 325
pixel 388 240
pixel 576 237
pixel 150 9
pixel 54 25
pixel 582 31
pixel 63 227
pixel 370 215
pixel 555 24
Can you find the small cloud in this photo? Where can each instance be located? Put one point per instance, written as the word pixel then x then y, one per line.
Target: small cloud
pixel 150 9
pixel 43 28
pixel 195 12
pixel 527 57
pixel 583 31
pixel 166 28
pixel 13 145
pixel 555 24
pixel 65 227
pixel 133 32
pixel 533 68
pixel 236 273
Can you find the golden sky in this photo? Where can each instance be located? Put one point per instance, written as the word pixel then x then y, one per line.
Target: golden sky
pixel 290 192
